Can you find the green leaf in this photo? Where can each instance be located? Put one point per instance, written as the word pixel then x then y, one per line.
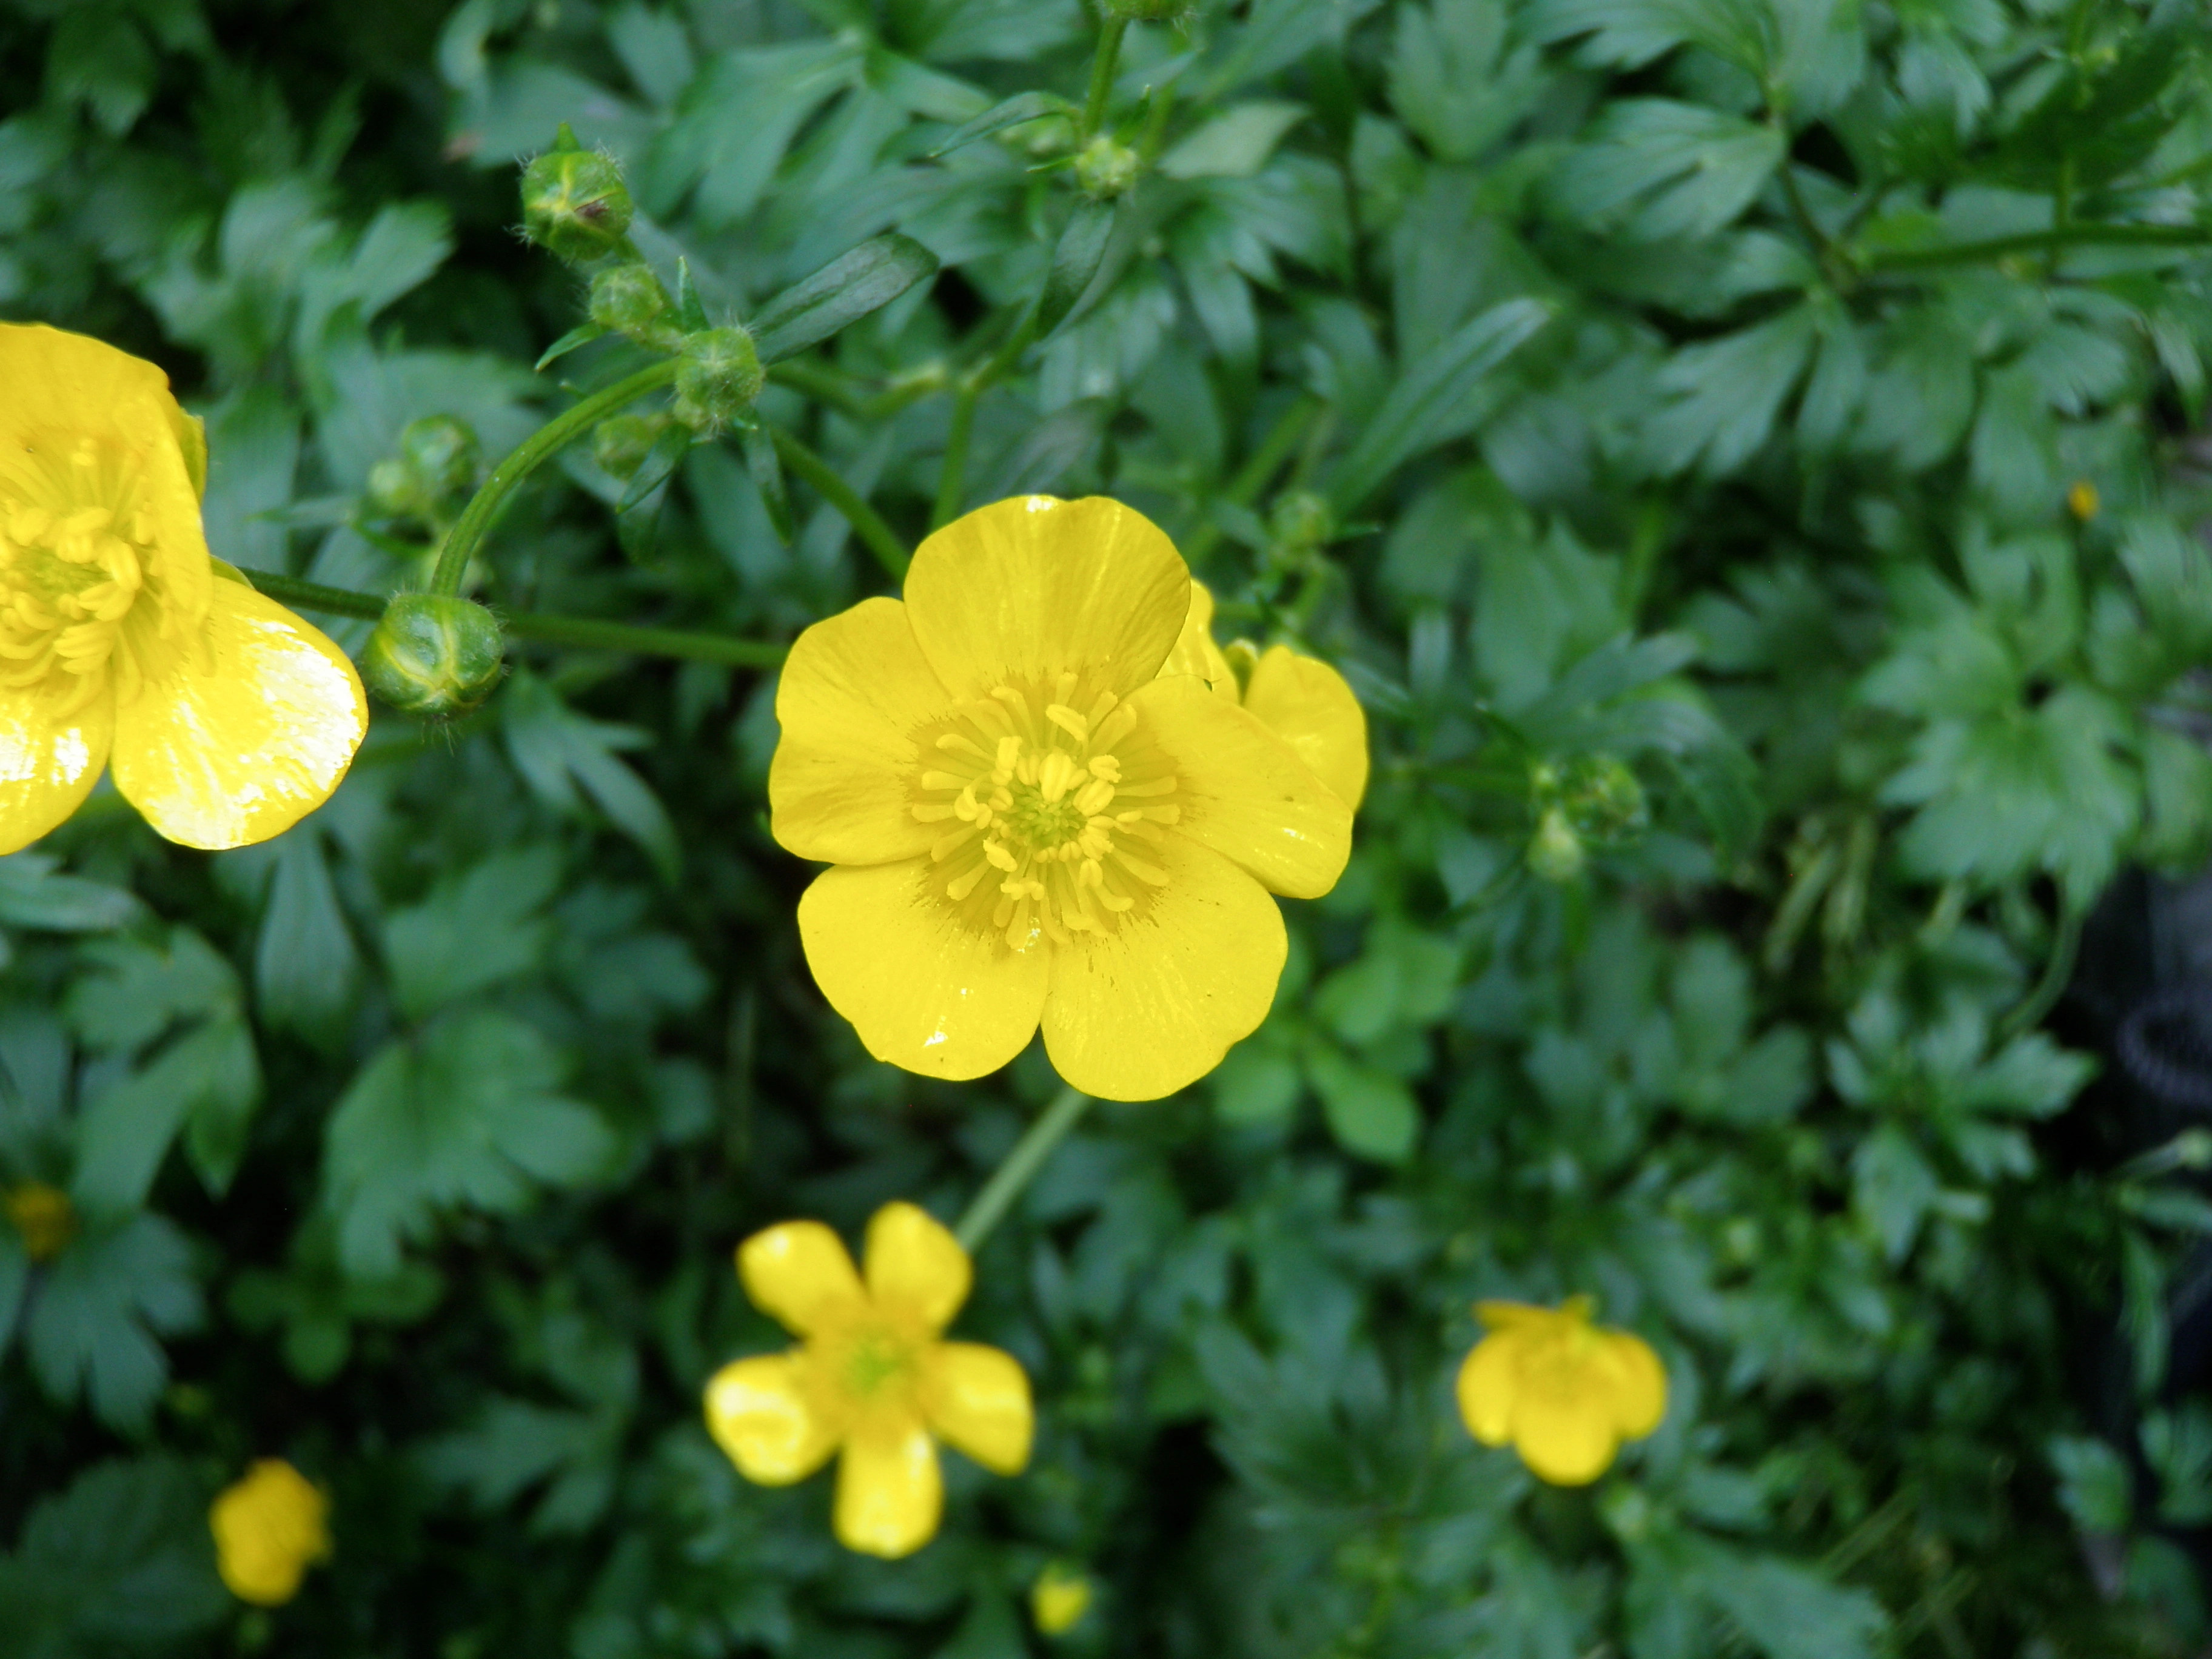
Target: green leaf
pixel 557 750
pixel 123 1555
pixel 1234 144
pixel 767 470
pixel 1075 260
pixel 210 1078
pixel 103 1301
pixel 32 895
pixel 848 288
pixel 1725 394
pixel 1893 1188
pixel 305 967
pixel 1793 1611
pixel 2094 1485
pixel 582 335
pixel 475 931
pixel 1011 112
pixel 1654 170
pixel 1446 81
pixel 1370 1113
pixel 137 989
pixel 1257 1082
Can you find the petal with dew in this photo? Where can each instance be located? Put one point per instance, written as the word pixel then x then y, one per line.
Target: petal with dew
pixel 1564 1435
pixel 854 691
pixel 891 1492
pixel 48 761
pixel 1243 792
pixel 1030 588
pixel 914 1265
pixel 924 990
pixel 977 1402
pixel 1141 1012
pixel 241 739
pixel 1639 1383
pixel 798 1273
pixel 1195 650
pixel 761 1413
pixel 1489 1383
pixel 1310 707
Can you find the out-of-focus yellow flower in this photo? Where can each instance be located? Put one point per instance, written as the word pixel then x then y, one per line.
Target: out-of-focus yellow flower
pixel 225 717
pixel 871 1379
pixel 44 1216
pixel 270 1528
pixel 2082 501
pixel 1301 700
pixel 1059 1599
pixel 1565 1392
pixel 1030 823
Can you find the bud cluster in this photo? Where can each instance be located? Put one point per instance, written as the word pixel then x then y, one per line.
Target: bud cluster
pixel 433 472
pixel 1584 802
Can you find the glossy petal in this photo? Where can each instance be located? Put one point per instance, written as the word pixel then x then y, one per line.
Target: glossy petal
pixel 1310 706
pixel 1639 1383
pixel 1141 1012
pixel 854 691
pixel 269 1528
pixel 246 737
pixel 977 1401
pixel 890 1494
pixel 73 383
pixel 760 1412
pixel 1566 1433
pixel 923 991
pixel 48 765
pixel 1195 650
pixel 1029 588
pixel 1489 1382
pixel 1243 792
pixel 914 1266
pixel 798 1274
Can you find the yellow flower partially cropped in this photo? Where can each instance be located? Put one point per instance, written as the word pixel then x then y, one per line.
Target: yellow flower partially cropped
pixel 1059 1600
pixel 43 1217
pixel 270 1528
pixel 871 1380
pixel 1564 1392
pixel 1028 823
pixel 226 719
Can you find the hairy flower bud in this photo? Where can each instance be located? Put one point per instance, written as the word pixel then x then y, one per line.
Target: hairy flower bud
pixel 1299 522
pixel 1555 852
pixel 1105 169
pixel 629 299
pixel 436 464
pixel 717 377
pixel 433 654
pixel 575 204
pixel 620 442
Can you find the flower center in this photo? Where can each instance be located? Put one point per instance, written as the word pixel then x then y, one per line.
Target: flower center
pixel 873 1360
pixel 1048 797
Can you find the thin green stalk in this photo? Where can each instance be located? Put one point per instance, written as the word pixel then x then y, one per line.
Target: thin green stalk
pixel 2026 1014
pixel 2037 241
pixel 1102 78
pixel 867 524
pixel 1252 477
pixel 475 520
pixel 952 479
pixel 587 631
pixel 1009 1180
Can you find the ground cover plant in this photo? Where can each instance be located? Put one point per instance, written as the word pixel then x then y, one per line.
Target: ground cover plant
pixel 1740 455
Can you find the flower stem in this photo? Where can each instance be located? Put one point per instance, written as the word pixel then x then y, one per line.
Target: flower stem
pixel 1101 77
pixel 2077 234
pixel 587 631
pixel 867 524
pixel 1008 1181
pixel 475 520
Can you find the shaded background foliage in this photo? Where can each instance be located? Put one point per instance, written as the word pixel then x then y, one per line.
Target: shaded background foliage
pixel 1669 412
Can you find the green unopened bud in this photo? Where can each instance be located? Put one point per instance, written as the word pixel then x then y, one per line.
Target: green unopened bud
pixel 628 299
pixel 434 654
pixel 435 466
pixel 1606 801
pixel 1105 169
pixel 717 377
pixel 620 442
pixel 575 204
pixel 1555 852
pixel 1299 522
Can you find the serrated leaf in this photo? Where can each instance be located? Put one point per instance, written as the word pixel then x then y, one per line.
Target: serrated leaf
pixel 209 1078
pixel 556 749
pixel 848 288
pixel 123 1555
pixel 137 988
pixel 475 931
pixel 1725 394
pixel 1655 169
pixel 306 965
pixel 103 1301
pixel 1233 144
pixel 32 896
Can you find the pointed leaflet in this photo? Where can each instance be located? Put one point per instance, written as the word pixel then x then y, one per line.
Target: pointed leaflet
pixel 555 749
pixel 768 476
pixel 843 291
pixel 1022 107
pixel 582 335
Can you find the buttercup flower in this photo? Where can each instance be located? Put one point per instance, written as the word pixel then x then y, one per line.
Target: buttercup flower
pixel 269 1528
pixel 1565 1392
pixel 1030 823
pixel 44 1216
pixel 1059 1600
pixel 871 1379
pixel 225 717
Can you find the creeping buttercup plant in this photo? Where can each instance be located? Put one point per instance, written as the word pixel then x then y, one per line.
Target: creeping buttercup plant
pixel 1391 719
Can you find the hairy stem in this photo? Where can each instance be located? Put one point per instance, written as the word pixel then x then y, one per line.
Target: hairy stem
pixel 1101 77
pixel 1012 1176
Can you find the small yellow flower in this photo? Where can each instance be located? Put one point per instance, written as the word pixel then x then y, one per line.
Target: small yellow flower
pixel 269 1528
pixel 871 1378
pixel 1565 1392
pixel 1028 823
pixel 225 717
pixel 2082 501
pixel 45 1217
pixel 1059 1600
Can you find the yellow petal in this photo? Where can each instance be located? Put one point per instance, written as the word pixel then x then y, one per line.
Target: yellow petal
pixel 1310 706
pixel 1138 1012
pixel 1195 650
pixel 1488 1384
pixel 1565 1434
pixel 1506 1315
pixel 798 1273
pixel 761 1413
pixel 1243 792
pixel 245 737
pixel 1639 1383
pixel 853 692
pixel 1027 589
pixel 977 1401
pixel 269 1528
pixel 73 383
pixel 914 1266
pixel 889 1492
pixel 47 764
pixel 923 991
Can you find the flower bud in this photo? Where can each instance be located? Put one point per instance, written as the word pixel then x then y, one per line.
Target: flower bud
pixel 1555 852
pixel 1299 522
pixel 717 377
pixel 575 204
pixel 435 466
pixel 1105 169
pixel 620 442
pixel 628 299
pixel 434 654
pixel 1059 1600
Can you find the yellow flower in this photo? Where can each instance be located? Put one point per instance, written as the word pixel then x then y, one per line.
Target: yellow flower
pixel 1059 1600
pixel 1565 1393
pixel 871 1379
pixel 1301 700
pixel 2082 501
pixel 225 717
pixel 1028 823
pixel 269 1528
pixel 45 1217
